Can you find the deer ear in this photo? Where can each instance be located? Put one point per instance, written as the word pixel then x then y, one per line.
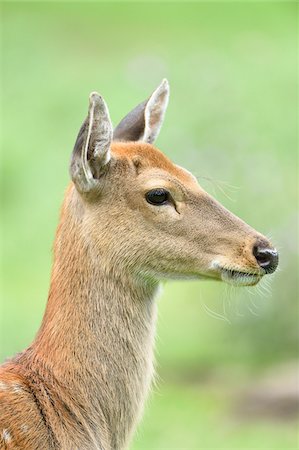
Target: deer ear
pixel 144 122
pixel 91 152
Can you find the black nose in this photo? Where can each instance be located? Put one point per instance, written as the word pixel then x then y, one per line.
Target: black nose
pixel 267 258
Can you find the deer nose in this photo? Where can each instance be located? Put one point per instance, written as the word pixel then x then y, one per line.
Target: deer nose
pixel 267 258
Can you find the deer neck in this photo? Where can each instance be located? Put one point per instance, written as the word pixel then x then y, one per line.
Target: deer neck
pixel 97 333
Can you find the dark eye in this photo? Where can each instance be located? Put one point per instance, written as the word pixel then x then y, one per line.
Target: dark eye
pixel 157 196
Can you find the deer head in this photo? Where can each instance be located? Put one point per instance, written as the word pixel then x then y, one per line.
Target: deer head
pixel 149 216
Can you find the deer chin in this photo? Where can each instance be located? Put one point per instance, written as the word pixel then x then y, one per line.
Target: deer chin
pixel 238 278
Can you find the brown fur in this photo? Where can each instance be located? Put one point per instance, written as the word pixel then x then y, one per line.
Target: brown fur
pixel 83 381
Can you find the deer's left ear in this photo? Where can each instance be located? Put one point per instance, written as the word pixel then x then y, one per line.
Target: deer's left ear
pixel 144 122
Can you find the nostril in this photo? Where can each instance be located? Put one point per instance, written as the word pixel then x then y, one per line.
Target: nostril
pixel 267 258
pixel 262 256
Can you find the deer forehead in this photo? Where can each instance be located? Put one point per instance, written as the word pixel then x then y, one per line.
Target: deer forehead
pixel 151 161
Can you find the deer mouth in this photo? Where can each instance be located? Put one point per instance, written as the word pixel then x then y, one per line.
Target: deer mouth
pixel 240 278
pixel 237 276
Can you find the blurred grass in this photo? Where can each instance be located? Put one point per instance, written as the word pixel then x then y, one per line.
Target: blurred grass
pixel 232 118
pixel 190 417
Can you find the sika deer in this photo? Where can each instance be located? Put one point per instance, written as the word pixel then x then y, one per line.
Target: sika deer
pixel 130 217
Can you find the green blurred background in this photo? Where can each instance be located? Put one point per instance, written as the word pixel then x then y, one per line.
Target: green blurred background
pixel 226 358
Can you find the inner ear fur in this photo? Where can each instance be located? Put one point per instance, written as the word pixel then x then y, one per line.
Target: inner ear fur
pixel 91 152
pixel 144 122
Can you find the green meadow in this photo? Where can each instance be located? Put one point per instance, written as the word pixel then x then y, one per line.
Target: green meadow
pixel 232 121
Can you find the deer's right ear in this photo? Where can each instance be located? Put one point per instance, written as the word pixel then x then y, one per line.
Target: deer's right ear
pixel 91 152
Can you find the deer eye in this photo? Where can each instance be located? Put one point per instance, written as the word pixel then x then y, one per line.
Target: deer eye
pixel 157 196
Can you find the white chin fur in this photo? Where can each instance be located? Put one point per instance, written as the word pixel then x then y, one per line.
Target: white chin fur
pixel 238 279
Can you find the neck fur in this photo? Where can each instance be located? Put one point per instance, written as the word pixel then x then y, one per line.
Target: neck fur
pixel 97 335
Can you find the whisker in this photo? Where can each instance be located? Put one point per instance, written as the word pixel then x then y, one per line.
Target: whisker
pixel 237 309
pixel 213 180
pixel 249 290
pixel 265 289
pixel 231 295
pixel 224 297
pixel 254 305
pixel 253 312
pixel 225 194
pixel 214 314
pixel 218 184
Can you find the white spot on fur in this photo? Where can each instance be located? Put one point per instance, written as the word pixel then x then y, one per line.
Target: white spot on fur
pixel 16 388
pixel 214 264
pixel 24 428
pixel 6 436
